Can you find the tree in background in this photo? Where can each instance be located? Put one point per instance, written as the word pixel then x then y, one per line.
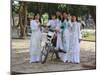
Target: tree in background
pixel 15 9
pixel 22 12
pixel 92 10
pixel 24 8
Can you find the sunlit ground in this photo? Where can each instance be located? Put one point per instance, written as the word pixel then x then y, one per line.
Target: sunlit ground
pixel 20 58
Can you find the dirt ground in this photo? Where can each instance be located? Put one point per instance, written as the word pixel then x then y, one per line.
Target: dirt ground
pixel 20 58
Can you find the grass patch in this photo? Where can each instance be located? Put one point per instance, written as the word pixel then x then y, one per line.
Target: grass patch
pixel 88 36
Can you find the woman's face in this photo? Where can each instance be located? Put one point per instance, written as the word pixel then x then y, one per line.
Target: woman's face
pixel 37 17
pixel 53 17
pixel 73 18
pixel 58 13
pixel 65 15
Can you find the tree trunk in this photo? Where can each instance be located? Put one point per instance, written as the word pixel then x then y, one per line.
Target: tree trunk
pixel 23 19
pixel 13 22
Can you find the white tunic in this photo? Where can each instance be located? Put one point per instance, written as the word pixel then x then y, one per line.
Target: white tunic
pixel 74 42
pixel 56 24
pixel 52 23
pixel 35 49
pixel 59 39
pixel 66 35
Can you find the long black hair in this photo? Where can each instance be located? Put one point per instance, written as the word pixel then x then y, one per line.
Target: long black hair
pixel 59 17
pixel 36 15
pixel 52 14
pixel 67 14
pixel 76 18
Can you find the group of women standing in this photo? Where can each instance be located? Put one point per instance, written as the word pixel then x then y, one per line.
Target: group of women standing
pixel 68 37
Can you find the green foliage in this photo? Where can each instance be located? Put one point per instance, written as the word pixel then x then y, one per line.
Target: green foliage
pixel 36 7
pixel 44 18
pixel 88 36
pixel 15 7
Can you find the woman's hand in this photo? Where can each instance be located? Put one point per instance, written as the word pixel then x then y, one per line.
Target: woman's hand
pixel 57 30
pixel 79 40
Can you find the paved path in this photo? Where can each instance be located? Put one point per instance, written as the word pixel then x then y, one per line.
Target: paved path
pixel 20 58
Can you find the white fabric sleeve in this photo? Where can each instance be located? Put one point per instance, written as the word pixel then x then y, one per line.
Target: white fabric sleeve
pixel 70 24
pixel 32 25
pixel 58 26
pixel 79 33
